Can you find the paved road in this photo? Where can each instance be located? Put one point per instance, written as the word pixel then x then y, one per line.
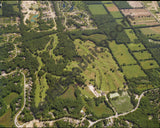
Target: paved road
pixel 117 115
pixel 16 117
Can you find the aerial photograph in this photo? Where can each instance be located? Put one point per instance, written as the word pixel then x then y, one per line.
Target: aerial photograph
pixel 79 64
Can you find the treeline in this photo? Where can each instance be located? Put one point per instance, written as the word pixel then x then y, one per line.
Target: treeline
pixel 8 11
pixel 65 47
pixel 5 48
pixel 11 84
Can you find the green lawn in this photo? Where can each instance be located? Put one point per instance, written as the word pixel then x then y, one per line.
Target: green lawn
pixel 131 34
pixel 69 94
pixel 97 9
pixel 121 53
pixel 116 14
pixel 10 97
pixel 142 55
pixel 95 37
pixel 122 103
pixel 12 2
pixel 101 110
pixel 133 71
pixel 149 64
pixel 136 47
pixel 6 120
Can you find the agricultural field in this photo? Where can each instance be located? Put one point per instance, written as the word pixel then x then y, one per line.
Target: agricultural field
pixel 131 34
pixel 133 71
pixel 142 55
pixel 101 69
pixel 121 53
pixel 114 11
pixel 155 52
pixel 116 14
pixel 151 30
pixel 136 46
pixel 122 103
pixel 97 9
pixel 149 64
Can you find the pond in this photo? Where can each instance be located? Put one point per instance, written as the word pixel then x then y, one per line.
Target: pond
pixel 34 17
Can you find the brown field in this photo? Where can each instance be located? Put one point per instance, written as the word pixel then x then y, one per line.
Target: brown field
pixel 113 9
pixel 151 30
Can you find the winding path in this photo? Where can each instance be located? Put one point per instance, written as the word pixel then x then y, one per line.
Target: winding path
pixel 16 117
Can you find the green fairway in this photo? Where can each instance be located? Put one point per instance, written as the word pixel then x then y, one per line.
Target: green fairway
pixel 131 34
pixel 116 14
pixel 122 103
pixel 86 92
pixel 149 64
pixel 102 70
pixel 132 71
pixel 121 53
pixel 136 47
pixel 142 55
pixel 10 97
pixel 97 9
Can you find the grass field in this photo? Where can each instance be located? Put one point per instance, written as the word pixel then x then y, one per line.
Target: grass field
pixel 142 55
pixel 136 47
pixel 131 34
pixel 149 64
pixel 11 2
pixel 15 8
pixel 95 37
pixel 8 99
pixel 97 9
pixel 121 53
pixel 6 119
pixel 102 71
pixel 0 11
pixel 133 71
pixel 69 94
pixel 122 103
pixel 116 14
pixel 86 92
pixel 100 110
